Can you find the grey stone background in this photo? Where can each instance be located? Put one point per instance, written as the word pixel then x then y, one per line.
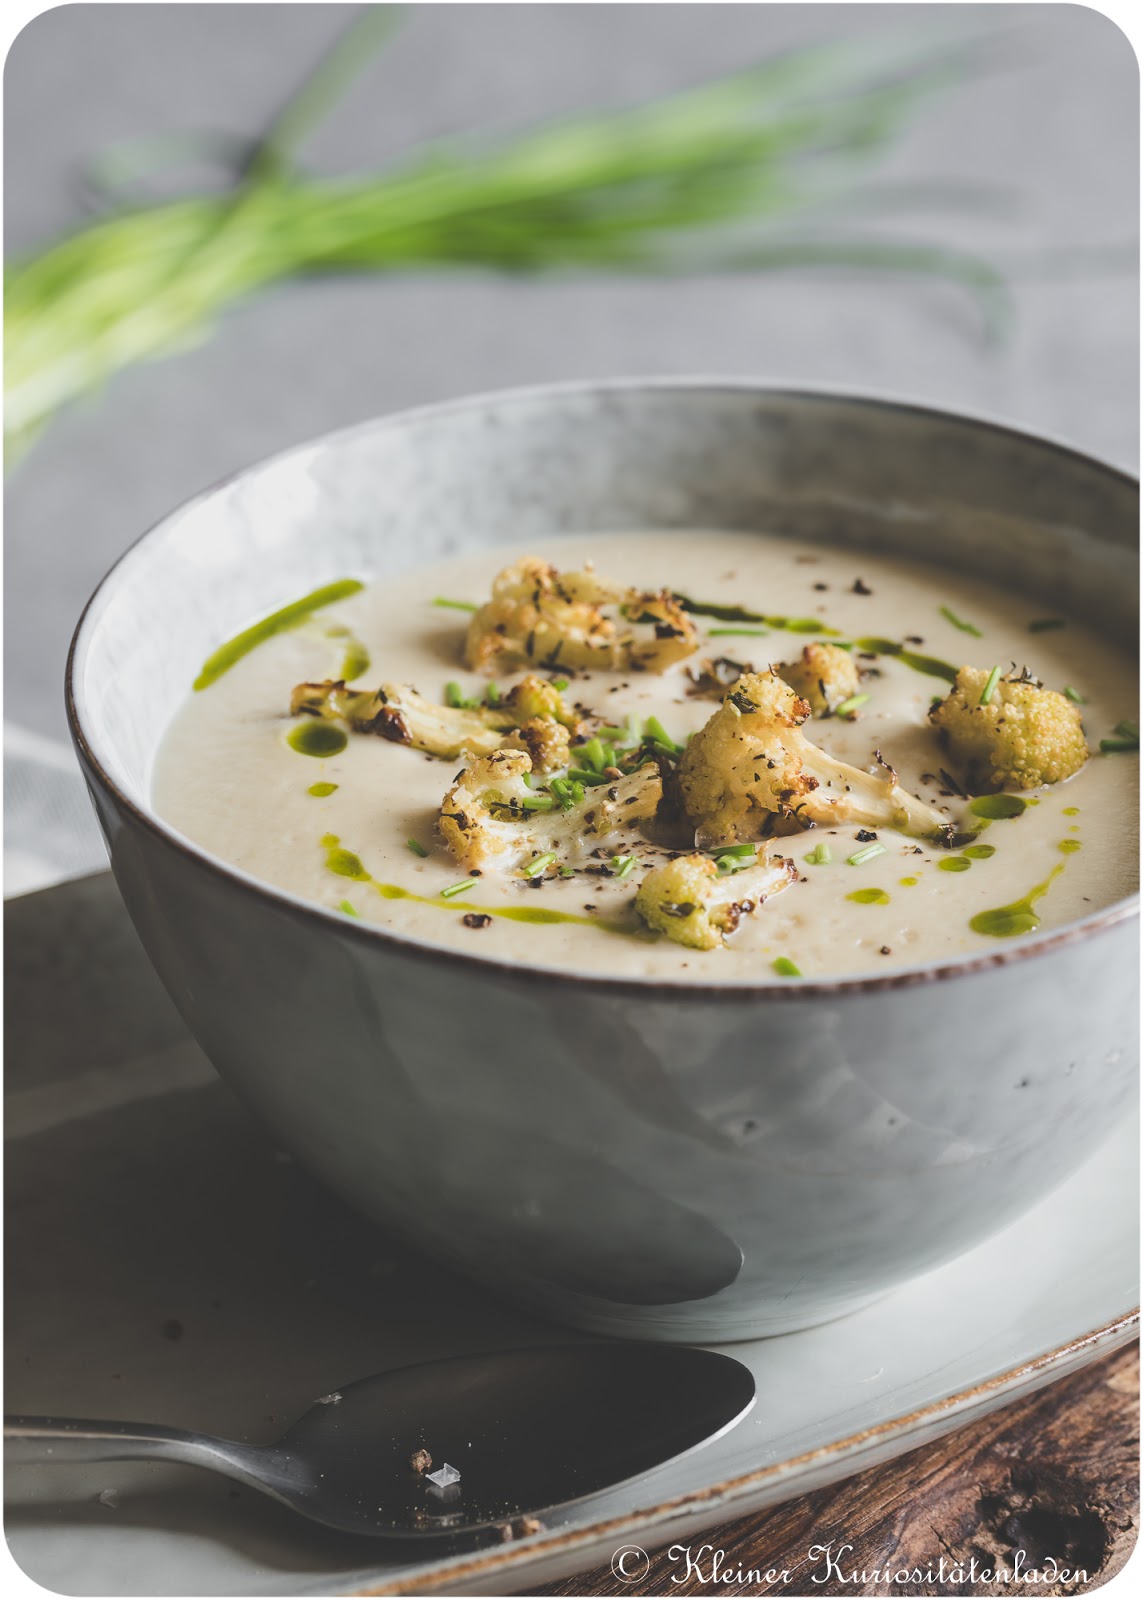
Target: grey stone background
pixel 1057 128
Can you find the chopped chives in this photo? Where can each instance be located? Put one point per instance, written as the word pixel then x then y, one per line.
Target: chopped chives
pixel 732 850
pixel 454 695
pixel 456 888
pixel 593 754
pixel 1127 730
pixel 866 853
pixel 738 633
pixel 626 736
pixel 567 791
pixel 1108 746
pixel 848 707
pixel 1045 624
pixel 1074 695
pixel 567 872
pixel 584 775
pixel 455 605
pixel 350 910
pixel 536 866
pixel 416 847
pixel 538 802
pixel 559 685
pixel 821 854
pixel 990 687
pixel 654 729
pixel 492 695
pixel 621 866
pixel 785 968
pixel 959 622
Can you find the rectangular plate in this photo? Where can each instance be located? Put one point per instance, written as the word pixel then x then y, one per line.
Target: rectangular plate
pixel 166 1264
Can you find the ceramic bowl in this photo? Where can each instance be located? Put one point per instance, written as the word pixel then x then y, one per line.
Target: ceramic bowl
pixel 629 1156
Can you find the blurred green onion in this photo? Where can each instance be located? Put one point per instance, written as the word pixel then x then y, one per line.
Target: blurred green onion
pixel 617 190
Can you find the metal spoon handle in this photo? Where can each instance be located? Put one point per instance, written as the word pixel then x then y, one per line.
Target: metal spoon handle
pixel 73 1439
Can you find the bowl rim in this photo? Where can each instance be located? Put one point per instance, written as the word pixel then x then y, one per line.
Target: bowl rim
pixel 281 900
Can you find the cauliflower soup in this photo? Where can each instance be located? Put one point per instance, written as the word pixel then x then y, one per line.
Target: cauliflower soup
pixel 713 757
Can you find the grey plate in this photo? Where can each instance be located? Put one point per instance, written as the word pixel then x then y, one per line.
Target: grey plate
pixel 142 1196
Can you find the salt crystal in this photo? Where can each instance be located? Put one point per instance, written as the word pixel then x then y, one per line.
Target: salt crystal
pixel 444 1477
pixel 333 1399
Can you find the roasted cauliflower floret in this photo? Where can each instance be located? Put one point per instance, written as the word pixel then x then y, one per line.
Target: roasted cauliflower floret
pixel 533 697
pixel 675 636
pixel 397 712
pixel 492 821
pixel 547 743
pixel 825 677
pixel 690 901
pixel 537 614
pixel 1023 736
pixel 751 767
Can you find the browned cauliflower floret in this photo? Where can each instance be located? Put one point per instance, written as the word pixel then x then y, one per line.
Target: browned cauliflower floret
pixel 675 636
pixel 547 743
pixel 492 821
pixel 530 698
pixel 694 904
pixel 825 677
pixel 751 765
pixel 1024 735
pixel 537 614
pixel 396 711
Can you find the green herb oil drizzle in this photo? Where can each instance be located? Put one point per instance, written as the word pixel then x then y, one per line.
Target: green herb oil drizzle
pixel 1008 922
pixel 698 608
pixel 997 807
pixel 348 865
pixel 356 661
pixel 313 737
pixel 931 666
pixel 869 897
pixel 277 622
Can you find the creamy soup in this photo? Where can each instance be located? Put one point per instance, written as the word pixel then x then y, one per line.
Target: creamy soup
pixel 349 820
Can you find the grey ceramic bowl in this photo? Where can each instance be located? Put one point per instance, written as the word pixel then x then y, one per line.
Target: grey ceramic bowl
pixel 632 1157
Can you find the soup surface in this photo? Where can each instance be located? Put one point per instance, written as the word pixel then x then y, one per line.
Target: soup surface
pixel 346 827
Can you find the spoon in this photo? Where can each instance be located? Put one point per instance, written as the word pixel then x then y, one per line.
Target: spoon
pixel 528 1431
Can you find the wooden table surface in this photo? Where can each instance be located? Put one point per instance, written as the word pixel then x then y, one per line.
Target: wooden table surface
pixel 1055 1476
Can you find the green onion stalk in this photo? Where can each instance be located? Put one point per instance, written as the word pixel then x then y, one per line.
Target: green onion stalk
pixel 725 177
